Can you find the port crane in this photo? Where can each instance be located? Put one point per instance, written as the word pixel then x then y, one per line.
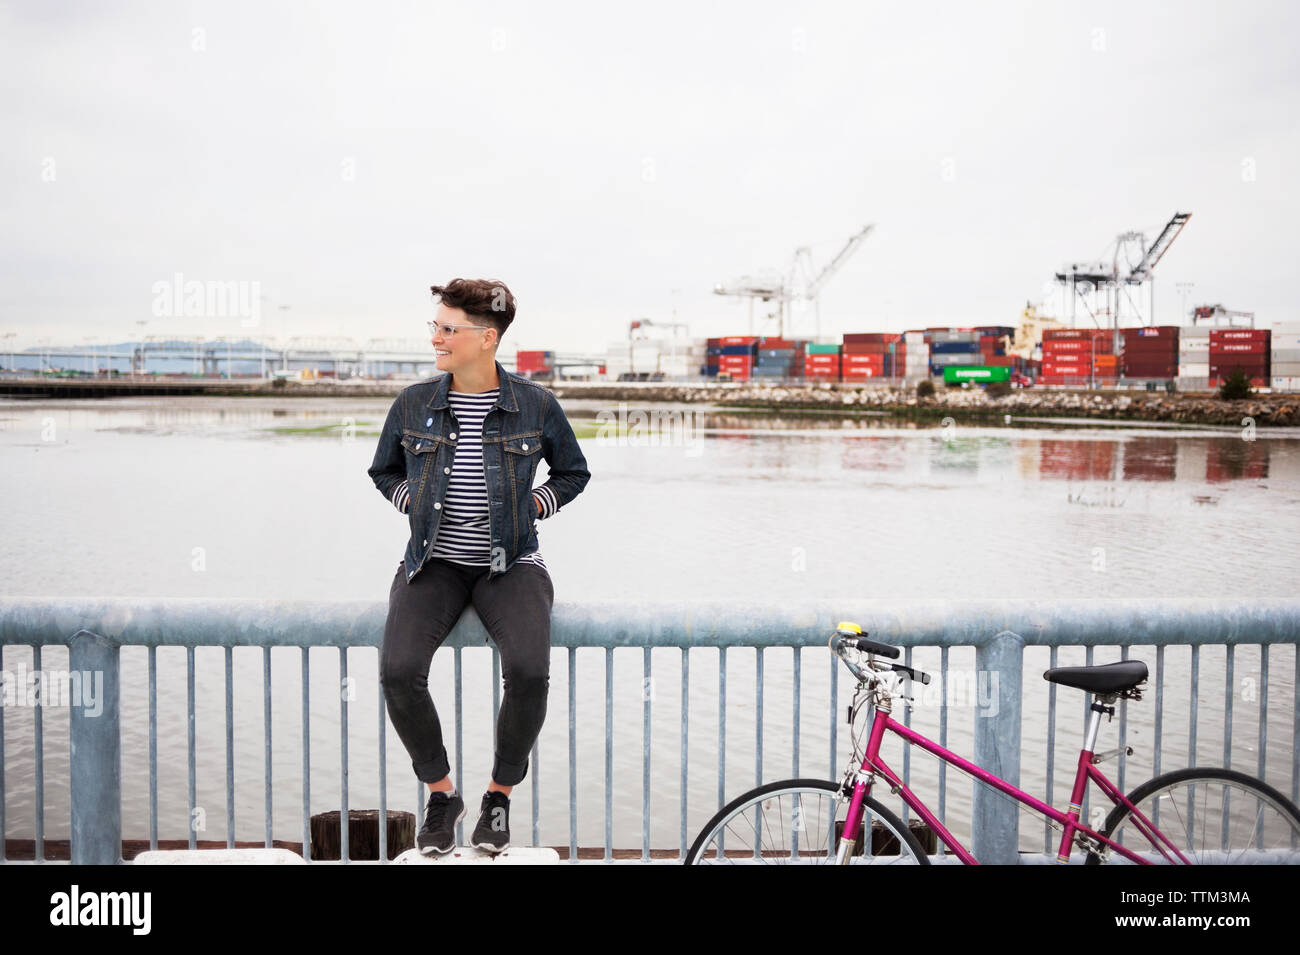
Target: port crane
pixel 1112 278
pixel 1217 314
pixel 639 324
pixel 802 283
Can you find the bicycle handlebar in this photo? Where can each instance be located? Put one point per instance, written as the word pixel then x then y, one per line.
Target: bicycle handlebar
pixel 839 641
pixel 870 646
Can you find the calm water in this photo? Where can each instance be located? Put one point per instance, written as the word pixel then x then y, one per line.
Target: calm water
pixel 197 497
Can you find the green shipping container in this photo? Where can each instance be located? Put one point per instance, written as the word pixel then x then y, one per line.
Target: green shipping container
pixel 983 373
pixel 823 350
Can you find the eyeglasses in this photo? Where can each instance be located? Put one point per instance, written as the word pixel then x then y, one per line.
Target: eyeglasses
pixel 449 330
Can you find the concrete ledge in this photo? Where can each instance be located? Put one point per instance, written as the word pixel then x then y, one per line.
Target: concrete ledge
pixel 467 855
pixel 219 857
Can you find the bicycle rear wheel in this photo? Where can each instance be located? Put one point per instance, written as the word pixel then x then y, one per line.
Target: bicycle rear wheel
pixel 798 822
pixel 1212 816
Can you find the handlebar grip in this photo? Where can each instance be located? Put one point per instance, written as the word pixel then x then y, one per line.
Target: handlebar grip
pixel 871 646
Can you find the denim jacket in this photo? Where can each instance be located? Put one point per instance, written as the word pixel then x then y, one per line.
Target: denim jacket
pixel 412 465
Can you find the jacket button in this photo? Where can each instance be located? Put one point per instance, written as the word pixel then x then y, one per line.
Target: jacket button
pixel 426 542
pixel 452 436
pixel 429 423
pixel 525 445
pixel 437 505
pixel 446 470
pixel 418 445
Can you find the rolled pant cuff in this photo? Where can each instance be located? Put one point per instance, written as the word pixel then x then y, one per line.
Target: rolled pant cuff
pixel 433 770
pixel 508 774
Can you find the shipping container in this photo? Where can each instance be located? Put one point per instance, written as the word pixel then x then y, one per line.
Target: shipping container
pixel 1239 334
pixel 954 348
pixel 1239 348
pixel 1150 333
pixel 977 373
pixel 1257 381
pixel 871 338
pixel 1065 334
pixel 866 348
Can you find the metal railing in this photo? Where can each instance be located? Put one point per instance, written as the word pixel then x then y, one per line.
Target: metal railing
pixel 998 630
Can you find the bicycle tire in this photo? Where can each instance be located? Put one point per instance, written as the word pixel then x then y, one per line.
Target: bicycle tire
pixel 818 789
pixel 1177 790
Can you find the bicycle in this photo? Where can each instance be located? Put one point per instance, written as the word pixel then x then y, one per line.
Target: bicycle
pixel 1213 815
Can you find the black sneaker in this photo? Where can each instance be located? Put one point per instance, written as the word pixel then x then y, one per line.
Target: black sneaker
pixel 438 834
pixel 493 830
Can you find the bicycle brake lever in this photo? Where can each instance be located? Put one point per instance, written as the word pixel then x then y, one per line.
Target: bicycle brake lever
pixel 917 675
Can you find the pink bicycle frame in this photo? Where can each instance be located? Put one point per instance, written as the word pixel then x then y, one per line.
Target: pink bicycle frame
pixel 873 764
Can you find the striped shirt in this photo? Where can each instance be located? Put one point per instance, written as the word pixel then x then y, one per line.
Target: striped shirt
pixel 464 534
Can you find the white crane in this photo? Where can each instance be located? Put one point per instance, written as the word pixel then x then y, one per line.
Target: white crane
pixel 1081 278
pixel 801 284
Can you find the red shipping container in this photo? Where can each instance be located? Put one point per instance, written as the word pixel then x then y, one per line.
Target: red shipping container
pixel 1238 348
pixel 1239 334
pixel 1099 344
pixel 863 360
pixel 1245 361
pixel 1256 382
pixel 738 340
pixel 1226 371
pixel 1159 373
pixel 871 338
pixel 864 348
pixel 1064 334
pixel 822 359
pixel 1150 334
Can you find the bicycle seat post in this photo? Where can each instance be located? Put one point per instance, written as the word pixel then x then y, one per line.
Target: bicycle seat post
pixel 1101 703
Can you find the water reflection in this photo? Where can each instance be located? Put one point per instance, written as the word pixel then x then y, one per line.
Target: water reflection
pixel 1232 459
pixel 1150 459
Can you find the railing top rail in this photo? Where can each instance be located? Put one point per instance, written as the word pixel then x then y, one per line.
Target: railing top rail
pixel 183 621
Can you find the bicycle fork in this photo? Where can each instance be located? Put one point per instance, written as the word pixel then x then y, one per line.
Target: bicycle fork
pixel 863 779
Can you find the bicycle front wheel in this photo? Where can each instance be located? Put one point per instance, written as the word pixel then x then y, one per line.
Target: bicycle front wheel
pixel 798 822
pixel 1212 817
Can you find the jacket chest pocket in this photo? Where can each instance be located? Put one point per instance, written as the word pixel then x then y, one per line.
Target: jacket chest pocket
pixel 522 453
pixel 420 450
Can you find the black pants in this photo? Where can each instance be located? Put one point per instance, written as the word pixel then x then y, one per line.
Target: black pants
pixel 515 608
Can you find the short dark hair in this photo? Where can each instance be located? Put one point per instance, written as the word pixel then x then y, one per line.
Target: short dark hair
pixel 487 299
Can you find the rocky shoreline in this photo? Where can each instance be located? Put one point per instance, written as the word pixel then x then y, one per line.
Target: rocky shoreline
pixel 1278 410
pixel 1270 410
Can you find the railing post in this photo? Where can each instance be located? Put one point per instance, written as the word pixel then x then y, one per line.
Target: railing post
pixel 95 760
pixel 998 677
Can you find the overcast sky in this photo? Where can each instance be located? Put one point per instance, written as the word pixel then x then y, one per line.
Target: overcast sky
pixel 610 162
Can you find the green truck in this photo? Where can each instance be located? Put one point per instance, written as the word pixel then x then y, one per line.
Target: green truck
pixel 978 374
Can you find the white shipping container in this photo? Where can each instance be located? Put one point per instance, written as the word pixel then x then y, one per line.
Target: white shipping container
pixel 1285 383
pixel 1286 369
pixel 1193 369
